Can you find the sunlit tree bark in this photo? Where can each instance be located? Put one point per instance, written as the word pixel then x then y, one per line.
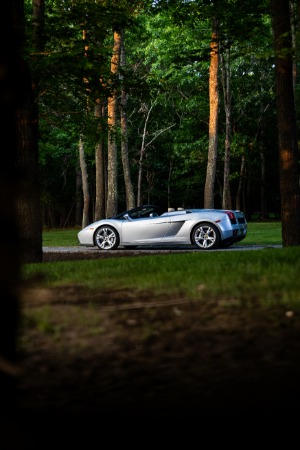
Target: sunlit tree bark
pixel 213 118
pixel 112 160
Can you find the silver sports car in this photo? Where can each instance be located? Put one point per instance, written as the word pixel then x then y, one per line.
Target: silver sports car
pixel 205 229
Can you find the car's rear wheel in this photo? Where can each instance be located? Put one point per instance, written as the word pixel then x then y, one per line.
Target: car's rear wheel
pixel 206 236
pixel 107 238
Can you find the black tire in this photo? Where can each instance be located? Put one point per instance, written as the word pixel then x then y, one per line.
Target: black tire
pixel 225 244
pixel 206 236
pixel 107 238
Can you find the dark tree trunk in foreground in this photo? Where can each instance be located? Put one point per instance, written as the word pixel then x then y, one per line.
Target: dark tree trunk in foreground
pixel 28 201
pixel 287 127
pixel 10 94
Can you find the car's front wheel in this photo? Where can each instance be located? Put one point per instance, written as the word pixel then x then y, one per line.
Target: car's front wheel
pixel 206 236
pixel 107 238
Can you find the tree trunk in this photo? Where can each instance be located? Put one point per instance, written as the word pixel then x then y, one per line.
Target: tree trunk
pixel 263 208
pixel 100 167
pixel 239 203
pixel 225 63
pixel 38 24
pixel 112 160
pixel 148 110
pixel 169 183
pixel 85 185
pixel 78 201
pixel 287 126
pixel 130 198
pixel 213 118
pixel 11 96
pixel 295 36
pixel 28 202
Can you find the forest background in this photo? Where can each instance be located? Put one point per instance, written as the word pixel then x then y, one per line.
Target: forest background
pixel 124 107
pixel 177 103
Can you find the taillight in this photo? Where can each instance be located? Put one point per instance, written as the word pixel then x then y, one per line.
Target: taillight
pixel 231 216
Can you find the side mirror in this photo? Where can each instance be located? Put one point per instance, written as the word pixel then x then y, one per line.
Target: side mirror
pixel 127 217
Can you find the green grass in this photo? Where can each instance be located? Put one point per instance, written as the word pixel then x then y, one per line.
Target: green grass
pixel 60 238
pixel 268 276
pixel 263 233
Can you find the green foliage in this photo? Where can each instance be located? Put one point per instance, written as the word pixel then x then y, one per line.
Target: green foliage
pixel 167 49
pixel 175 57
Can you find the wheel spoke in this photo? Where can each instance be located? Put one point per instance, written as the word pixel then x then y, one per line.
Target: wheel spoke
pixel 106 238
pixel 205 237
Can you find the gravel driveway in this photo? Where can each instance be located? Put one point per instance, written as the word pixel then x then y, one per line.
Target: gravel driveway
pixel 78 252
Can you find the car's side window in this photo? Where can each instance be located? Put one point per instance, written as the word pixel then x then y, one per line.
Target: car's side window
pixel 149 212
pixel 144 213
pixel 135 215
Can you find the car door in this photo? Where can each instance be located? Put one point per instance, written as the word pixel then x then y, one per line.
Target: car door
pixel 176 228
pixel 148 230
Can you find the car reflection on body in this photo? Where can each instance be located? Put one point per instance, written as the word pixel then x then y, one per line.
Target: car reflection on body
pixel 147 225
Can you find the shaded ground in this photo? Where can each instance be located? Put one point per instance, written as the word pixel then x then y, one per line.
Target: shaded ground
pixel 103 359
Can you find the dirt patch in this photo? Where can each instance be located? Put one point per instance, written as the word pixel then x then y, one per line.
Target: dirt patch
pixel 115 358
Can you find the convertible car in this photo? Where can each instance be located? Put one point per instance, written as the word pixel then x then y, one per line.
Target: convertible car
pixel 205 229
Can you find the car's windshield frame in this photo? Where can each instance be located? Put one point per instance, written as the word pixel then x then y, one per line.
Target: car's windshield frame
pixel 140 212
